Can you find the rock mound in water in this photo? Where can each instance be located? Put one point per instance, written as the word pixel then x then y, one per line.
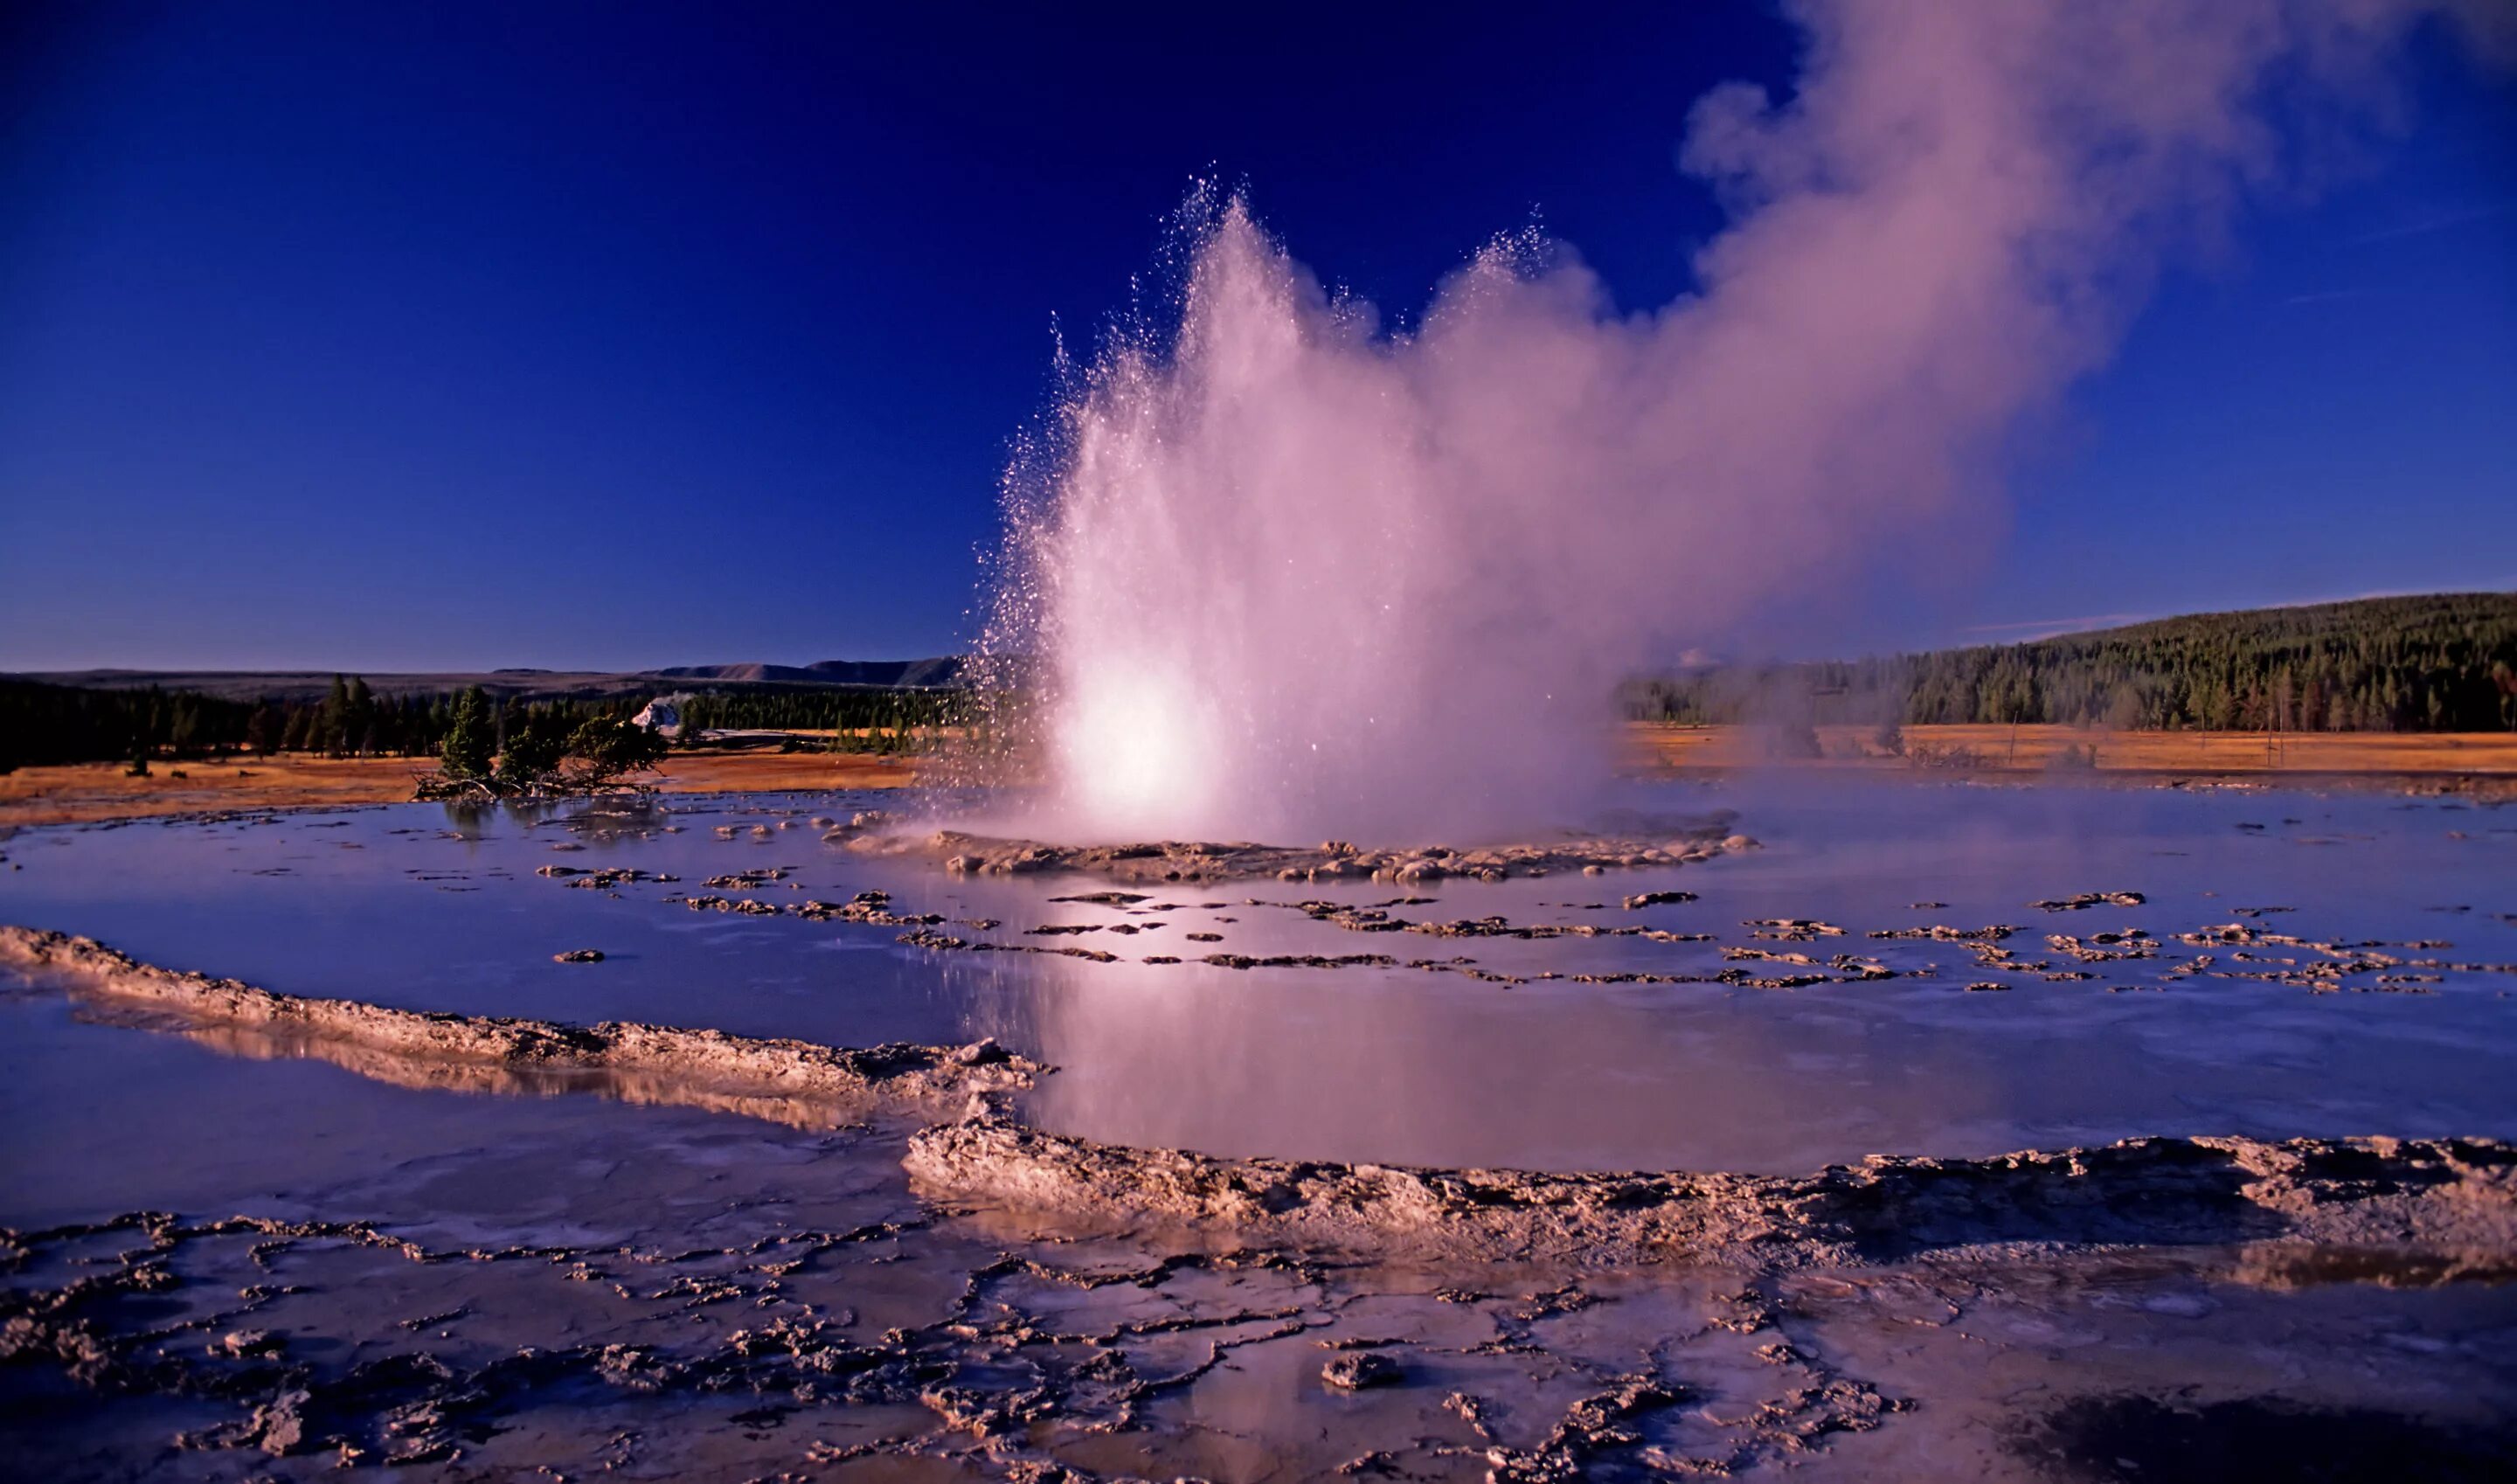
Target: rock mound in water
pixel 658 1054
pixel 1661 843
pixel 2454 1196
pixel 1360 1370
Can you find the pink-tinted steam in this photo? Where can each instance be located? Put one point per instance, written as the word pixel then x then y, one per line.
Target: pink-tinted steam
pixel 1290 577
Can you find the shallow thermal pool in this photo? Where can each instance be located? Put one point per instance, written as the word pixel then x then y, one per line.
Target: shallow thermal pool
pixel 416 907
pixel 360 1257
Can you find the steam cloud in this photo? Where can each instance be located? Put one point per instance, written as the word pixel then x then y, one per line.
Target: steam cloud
pixel 1288 576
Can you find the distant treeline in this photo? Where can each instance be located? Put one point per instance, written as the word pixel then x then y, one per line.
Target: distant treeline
pixel 2441 663
pixel 62 724
pixel 2444 664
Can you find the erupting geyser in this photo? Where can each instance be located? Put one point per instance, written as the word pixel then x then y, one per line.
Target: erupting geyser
pixel 1286 576
pixel 1263 610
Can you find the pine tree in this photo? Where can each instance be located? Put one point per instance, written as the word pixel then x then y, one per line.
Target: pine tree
pixel 331 723
pixel 535 745
pixel 469 744
pixel 358 717
pixel 262 733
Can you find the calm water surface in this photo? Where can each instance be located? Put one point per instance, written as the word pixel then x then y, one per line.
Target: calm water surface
pixel 411 905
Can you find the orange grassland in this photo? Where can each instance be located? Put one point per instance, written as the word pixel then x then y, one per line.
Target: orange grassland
pixel 85 791
pixel 82 791
pixel 1654 747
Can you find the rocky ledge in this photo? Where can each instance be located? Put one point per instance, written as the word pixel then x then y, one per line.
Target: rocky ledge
pixel 2454 1198
pixel 1659 842
pixel 711 1059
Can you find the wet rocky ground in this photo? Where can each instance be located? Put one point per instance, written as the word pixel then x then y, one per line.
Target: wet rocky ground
pixel 836 1163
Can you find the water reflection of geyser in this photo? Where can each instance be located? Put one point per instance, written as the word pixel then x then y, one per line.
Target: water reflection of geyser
pixel 1354 1067
pixel 1291 577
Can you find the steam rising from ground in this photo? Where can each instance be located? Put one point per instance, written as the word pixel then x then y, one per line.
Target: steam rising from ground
pixel 1290 577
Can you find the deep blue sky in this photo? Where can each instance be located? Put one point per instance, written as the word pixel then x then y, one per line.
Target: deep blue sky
pixel 468 335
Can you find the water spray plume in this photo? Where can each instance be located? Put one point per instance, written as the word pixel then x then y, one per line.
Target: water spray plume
pixel 1278 574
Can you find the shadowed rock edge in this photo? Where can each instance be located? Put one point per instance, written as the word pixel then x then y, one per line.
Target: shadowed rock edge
pixel 2453 1198
pixel 704 1060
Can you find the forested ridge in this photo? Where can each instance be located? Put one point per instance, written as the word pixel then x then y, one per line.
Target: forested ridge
pixel 2439 663
pixel 41 723
pixel 2445 663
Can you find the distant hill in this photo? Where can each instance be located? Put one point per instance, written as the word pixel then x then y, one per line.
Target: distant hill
pixel 940 671
pixel 2442 662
